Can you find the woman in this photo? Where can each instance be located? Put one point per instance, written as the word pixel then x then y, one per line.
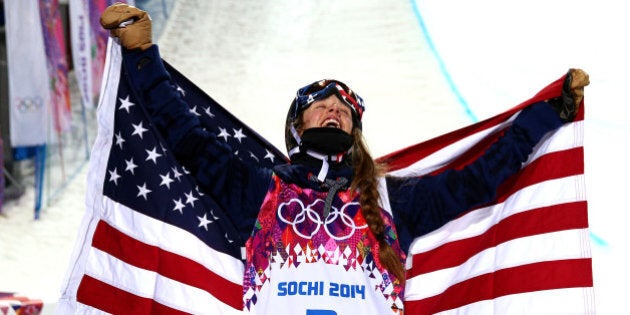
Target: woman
pixel 328 228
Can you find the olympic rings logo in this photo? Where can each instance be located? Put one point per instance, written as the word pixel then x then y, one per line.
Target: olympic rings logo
pixel 29 104
pixel 314 217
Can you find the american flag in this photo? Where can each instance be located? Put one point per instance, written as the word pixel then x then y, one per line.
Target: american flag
pixel 152 242
pixel 528 251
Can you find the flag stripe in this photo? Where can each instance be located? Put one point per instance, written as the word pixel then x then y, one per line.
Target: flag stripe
pixel 118 301
pixel 557 218
pixel 146 283
pixel 532 277
pixel 560 245
pixel 566 137
pixel 170 238
pixel 417 161
pixel 477 222
pixel 547 167
pixel 167 264
pixel 436 157
pixel 537 302
pixel 459 138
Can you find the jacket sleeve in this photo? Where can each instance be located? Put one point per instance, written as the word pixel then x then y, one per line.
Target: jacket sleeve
pixel 238 187
pixel 423 204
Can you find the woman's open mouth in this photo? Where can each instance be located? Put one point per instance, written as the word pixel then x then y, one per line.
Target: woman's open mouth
pixel 331 123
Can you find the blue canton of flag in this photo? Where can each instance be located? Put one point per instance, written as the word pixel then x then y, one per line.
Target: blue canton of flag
pixel 143 174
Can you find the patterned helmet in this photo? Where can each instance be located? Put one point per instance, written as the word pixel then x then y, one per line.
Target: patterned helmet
pixel 314 92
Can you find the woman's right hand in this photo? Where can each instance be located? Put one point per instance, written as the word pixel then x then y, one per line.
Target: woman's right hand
pixel 130 24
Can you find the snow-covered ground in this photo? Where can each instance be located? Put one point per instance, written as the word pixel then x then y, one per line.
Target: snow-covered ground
pixel 422 68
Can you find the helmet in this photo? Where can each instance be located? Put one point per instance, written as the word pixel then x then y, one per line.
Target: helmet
pixel 317 91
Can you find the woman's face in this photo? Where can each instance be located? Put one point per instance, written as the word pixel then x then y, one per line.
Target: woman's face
pixel 330 112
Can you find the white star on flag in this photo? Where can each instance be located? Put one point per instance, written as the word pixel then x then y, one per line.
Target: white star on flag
pixel 153 155
pixel 119 140
pixel 269 155
pixel 224 134
pixel 190 198
pixel 166 180
pixel 139 130
pixel 113 176
pixel 176 174
pixel 179 206
pixel 194 111
pixel 125 103
pixel 130 166
pixel 143 191
pixel 238 134
pixel 203 221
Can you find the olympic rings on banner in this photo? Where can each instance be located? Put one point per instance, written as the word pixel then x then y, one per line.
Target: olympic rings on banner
pixel 29 104
pixel 310 213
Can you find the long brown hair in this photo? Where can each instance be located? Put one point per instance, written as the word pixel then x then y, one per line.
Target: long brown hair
pixel 366 174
